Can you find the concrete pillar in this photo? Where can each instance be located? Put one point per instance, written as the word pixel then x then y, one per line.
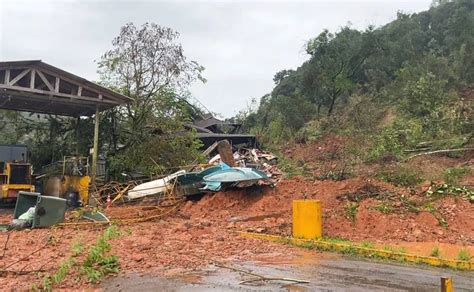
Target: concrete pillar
pixel 95 153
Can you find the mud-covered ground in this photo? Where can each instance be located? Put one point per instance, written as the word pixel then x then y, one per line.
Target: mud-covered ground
pixel 201 232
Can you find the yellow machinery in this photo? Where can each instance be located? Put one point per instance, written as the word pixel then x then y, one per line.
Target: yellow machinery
pixel 16 176
pixel 71 183
pixel 76 176
pixel 15 171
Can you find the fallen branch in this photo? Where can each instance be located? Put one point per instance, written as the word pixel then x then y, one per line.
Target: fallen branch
pixel 440 151
pixel 255 218
pixel 260 277
pixel 20 272
pixel 25 257
pixel 5 246
pixel 42 247
pixel 416 150
pixel 174 206
pixel 40 268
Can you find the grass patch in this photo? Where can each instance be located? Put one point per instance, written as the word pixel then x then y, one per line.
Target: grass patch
pixel 442 222
pixel 336 174
pixel 96 264
pixel 351 211
pixel 402 177
pixel 453 174
pixel 388 248
pixel 383 208
pixel 385 253
pixel 290 168
pixel 402 249
pixel 430 208
pixel 464 255
pixel 435 252
pixel 367 244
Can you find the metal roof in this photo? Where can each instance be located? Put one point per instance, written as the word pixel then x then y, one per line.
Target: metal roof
pixel 35 86
pixel 212 121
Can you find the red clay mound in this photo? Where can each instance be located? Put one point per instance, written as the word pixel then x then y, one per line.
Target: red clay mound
pixel 383 212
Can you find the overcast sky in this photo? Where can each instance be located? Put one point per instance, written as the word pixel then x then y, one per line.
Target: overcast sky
pixel 242 44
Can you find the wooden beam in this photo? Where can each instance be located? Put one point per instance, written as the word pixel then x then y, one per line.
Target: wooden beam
pixel 79 91
pixel 7 76
pixel 55 106
pixel 5 101
pixel 57 94
pixel 95 155
pixel 33 97
pixel 56 85
pixel 45 80
pixel 32 79
pixel 84 84
pixel 225 151
pixel 17 78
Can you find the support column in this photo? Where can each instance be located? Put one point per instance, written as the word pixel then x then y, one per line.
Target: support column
pixel 95 152
pixel 78 135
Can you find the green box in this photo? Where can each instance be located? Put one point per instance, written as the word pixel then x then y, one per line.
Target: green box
pixel 49 210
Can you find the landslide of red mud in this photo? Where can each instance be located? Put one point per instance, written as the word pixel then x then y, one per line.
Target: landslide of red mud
pixel 270 211
pixel 201 232
pixel 168 246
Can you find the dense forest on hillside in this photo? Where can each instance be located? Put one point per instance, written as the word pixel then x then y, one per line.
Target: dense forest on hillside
pixel 396 86
pixel 383 93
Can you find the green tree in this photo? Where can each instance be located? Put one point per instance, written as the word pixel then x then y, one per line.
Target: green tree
pixel 148 64
pixel 337 60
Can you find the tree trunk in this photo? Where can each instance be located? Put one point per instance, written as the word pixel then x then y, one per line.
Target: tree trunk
pixel 331 107
pixel 225 151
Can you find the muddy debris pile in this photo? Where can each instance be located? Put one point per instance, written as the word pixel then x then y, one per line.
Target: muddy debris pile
pixel 354 209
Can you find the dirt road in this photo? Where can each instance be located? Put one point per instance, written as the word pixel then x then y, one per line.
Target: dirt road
pixel 326 272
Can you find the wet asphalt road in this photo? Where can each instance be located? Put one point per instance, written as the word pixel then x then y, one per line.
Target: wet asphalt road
pixel 328 274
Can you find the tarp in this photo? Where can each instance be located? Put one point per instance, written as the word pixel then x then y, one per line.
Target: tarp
pixel 233 176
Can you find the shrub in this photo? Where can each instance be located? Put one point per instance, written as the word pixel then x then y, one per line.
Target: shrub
pixel 435 252
pixel 351 211
pixel 401 176
pixel 97 263
pixel 464 255
pixel 402 133
pixel 452 175
pixel 383 208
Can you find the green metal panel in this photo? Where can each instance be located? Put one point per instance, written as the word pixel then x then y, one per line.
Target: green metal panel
pixel 24 201
pixel 49 210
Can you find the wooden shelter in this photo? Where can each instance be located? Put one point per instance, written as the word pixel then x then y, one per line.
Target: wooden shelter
pixel 35 86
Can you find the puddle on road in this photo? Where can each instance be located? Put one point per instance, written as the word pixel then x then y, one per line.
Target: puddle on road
pixel 191 278
pixel 301 257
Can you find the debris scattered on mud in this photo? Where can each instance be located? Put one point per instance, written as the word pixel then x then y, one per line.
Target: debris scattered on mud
pixel 200 232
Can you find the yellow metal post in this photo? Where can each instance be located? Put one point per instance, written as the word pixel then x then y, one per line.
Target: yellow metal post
pixel 446 284
pixel 307 219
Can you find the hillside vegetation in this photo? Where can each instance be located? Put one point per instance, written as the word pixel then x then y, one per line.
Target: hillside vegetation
pixel 403 86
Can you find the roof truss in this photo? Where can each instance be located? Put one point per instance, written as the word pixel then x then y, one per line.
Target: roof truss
pixel 26 84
